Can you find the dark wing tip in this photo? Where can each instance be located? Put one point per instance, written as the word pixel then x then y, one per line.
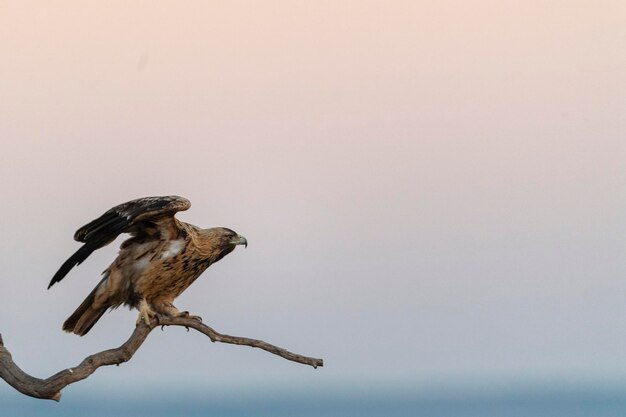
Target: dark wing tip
pixel 57 277
pixel 76 259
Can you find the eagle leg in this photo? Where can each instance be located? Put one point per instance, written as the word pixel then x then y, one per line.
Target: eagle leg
pixel 145 312
pixel 190 316
pixel 168 309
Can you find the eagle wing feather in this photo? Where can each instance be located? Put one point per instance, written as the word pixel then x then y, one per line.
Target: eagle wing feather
pixel 135 217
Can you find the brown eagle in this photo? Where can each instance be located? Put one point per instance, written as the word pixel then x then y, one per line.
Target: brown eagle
pixel 160 260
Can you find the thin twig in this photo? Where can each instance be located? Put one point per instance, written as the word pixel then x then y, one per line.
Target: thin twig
pixel 51 387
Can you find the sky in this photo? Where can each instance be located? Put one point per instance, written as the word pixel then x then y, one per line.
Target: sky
pixel 432 191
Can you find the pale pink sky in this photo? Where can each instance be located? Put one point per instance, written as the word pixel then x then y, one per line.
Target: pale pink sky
pixel 451 173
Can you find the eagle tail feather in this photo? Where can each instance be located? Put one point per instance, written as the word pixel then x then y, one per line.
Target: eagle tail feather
pixel 86 315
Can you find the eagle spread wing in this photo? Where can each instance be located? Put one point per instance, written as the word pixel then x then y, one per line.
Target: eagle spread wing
pixel 144 216
pixel 162 258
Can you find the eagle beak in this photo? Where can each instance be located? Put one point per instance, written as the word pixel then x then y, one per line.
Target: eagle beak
pixel 240 240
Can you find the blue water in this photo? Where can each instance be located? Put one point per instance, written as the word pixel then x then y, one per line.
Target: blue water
pixel 522 404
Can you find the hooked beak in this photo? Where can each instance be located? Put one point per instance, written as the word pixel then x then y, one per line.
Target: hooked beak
pixel 239 240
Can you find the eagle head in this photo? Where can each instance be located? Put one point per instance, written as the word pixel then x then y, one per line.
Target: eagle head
pixel 218 242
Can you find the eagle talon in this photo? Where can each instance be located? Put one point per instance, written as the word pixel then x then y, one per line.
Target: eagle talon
pixel 186 315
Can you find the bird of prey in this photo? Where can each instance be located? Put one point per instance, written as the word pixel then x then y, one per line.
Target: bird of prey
pixel 160 260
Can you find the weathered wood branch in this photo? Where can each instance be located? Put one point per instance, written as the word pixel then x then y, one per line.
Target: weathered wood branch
pixel 51 387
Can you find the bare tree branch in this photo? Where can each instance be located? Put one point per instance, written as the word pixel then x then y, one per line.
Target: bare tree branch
pixel 51 387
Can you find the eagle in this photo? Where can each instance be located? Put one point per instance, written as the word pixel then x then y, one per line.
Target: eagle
pixel 160 260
